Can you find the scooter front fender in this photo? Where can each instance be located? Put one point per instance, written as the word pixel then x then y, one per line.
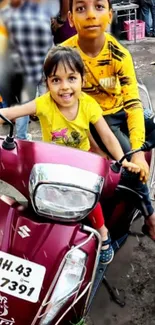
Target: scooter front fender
pixel 25 235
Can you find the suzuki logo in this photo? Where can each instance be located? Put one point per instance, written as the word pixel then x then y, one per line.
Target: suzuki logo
pixel 24 231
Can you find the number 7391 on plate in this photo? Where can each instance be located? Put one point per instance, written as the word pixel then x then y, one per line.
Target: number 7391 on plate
pixel 20 277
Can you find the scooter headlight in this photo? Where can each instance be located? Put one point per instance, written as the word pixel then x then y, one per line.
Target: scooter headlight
pixel 67 285
pixel 62 201
pixel 63 192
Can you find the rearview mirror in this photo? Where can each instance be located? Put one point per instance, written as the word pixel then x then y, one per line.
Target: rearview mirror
pixel 8 122
pixel 8 142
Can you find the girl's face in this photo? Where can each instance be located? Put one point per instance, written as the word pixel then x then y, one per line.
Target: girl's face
pixel 65 86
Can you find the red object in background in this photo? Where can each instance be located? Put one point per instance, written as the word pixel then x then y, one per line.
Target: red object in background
pixel 129 27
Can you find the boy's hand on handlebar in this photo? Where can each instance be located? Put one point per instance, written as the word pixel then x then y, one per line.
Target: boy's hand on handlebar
pixel 139 159
pixel 131 166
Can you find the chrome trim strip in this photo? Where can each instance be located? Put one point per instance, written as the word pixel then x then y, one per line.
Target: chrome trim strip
pixel 141 86
pixel 45 302
pixel 134 216
pixel 96 233
pixel 152 177
pixel 64 175
pixel 74 302
pixel 90 284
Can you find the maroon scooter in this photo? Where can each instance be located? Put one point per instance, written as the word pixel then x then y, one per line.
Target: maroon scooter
pixel 49 255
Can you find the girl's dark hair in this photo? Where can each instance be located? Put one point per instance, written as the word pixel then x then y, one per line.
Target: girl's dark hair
pixel 71 5
pixel 67 56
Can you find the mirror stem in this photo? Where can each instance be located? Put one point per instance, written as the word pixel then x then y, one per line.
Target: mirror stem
pixel 129 154
pixel 10 124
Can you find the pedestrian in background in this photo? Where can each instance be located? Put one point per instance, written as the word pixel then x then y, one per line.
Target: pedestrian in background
pixel 60 26
pixel 147 9
pixel 30 31
pixel 15 66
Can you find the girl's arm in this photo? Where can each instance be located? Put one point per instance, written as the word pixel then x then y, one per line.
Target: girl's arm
pixel 18 111
pixel 95 148
pixel 112 144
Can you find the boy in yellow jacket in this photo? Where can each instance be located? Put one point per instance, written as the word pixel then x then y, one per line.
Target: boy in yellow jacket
pixel 110 79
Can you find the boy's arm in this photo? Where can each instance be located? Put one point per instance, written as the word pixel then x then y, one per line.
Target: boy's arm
pixel 18 111
pixel 131 101
pixel 134 110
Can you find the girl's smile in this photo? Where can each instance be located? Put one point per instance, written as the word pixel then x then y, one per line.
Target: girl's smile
pixel 66 97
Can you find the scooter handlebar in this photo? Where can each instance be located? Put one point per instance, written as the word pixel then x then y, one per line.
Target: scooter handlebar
pixel 147 146
pixel 5 119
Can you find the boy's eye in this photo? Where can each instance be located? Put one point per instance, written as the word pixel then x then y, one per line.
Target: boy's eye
pixel 100 7
pixel 80 9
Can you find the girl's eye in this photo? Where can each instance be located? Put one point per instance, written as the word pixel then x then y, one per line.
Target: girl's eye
pixel 55 80
pixel 72 78
pixel 80 9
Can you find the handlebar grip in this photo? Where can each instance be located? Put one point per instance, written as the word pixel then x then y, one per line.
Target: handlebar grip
pixel 127 177
pixel 132 181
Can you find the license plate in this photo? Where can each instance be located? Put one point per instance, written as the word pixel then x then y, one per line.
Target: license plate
pixel 20 277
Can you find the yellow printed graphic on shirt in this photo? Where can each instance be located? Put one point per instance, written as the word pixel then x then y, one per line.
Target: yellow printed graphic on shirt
pixel 58 129
pixel 110 79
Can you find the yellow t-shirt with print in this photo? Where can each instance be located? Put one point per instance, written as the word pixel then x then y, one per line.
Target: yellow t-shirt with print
pixel 110 79
pixel 56 128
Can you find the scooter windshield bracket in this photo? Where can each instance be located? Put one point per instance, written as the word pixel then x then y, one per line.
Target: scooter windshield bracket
pixel 8 143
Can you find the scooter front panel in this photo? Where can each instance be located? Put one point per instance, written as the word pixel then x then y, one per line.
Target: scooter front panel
pixel 38 242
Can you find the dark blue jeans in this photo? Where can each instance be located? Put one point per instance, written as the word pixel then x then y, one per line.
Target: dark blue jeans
pixel 147 8
pixel 117 123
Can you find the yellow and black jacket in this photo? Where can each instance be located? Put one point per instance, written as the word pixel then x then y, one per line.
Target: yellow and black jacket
pixel 110 79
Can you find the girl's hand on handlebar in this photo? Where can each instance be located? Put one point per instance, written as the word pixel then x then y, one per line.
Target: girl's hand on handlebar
pixel 131 166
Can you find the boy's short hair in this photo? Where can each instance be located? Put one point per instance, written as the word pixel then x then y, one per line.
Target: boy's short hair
pixel 71 5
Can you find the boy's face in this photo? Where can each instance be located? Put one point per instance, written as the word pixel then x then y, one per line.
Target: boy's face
pixel 90 17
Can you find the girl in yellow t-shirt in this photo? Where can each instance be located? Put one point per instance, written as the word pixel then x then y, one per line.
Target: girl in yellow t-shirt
pixel 65 113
